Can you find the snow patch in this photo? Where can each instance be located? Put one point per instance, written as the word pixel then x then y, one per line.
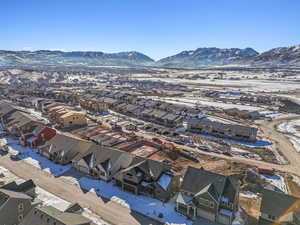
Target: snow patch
pixel 31 156
pixel 143 204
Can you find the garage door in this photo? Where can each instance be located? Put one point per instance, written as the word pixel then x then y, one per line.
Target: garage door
pixel 205 214
pixel 223 219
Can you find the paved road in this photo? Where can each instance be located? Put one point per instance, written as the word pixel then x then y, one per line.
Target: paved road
pixel 111 212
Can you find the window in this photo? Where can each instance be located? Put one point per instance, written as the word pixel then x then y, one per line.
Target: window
pixel 21 207
pixel 20 217
pixel 271 217
pixel 203 202
pixel 211 204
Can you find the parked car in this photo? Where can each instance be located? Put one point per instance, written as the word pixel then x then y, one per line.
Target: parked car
pixel 15 157
pixel 179 142
pixel 157 140
pixel 227 153
pixel 139 124
pixel 190 144
pixel 203 148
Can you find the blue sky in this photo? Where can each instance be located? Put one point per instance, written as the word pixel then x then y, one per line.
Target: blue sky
pixel 157 28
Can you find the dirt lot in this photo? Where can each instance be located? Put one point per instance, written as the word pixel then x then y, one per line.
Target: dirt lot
pixel 212 164
pixel 252 209
pixel 293 187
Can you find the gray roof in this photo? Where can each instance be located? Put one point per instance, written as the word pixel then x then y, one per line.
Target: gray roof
pixel 51 215
pixel 67 145
pixel 278 203
pixel 151 169
pixel 19 187
pixel 222 126
pixel 14 194
pixel 183 199
pixel 196 181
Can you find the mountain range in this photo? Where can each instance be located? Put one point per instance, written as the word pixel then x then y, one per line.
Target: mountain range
pixel 201 57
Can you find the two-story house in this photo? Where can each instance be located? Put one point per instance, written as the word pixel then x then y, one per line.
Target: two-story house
pixel 278 208
pixel 208 195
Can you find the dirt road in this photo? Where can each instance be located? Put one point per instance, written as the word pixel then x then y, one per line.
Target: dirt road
pixel 268 128
pixel 283 143
pixel 110 211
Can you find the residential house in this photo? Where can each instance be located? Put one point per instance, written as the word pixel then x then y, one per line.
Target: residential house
pixel 279 208
pixel 218 129
pixel 63 148
pixel 243 114
pixel 48 215
pixel 14 204
pixel 208 195
pixel 6 109
pixel 72 118
pixel 147 177
pixel 38 136
pixel 172 120
pixel 21 122
pixel 26 187
pixel 102 162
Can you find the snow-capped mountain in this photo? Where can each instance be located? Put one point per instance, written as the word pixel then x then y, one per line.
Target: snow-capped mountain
pixel 201 57
pixel 207 57
pixel 285 56
pixel 82 58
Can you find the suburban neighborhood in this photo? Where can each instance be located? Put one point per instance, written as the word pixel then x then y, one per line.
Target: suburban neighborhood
pixel 154 150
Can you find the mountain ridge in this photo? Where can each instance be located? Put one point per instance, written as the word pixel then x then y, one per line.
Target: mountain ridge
pixel 200 57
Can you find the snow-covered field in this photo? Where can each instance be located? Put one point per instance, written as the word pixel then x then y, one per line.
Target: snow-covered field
pixel 277 181
pixel 292 130
pixel 192 101
pixel 32 157
pixel 145 205
pixel 251 85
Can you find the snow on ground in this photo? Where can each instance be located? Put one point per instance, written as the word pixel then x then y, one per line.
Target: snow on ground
pixel 290 127
pixel 292 130
pixel 296 180
pixel 277 181
pixel 251 85
pixel 37 114
pixel 249 194
pixel 296 143
pixel 238 220
pixel 120 201
pixel 8 176
pixel 93 217
pixel 4 171
pixel 145 205
pixel 238 150
pixel 192 101
pixel 32 157
pixel 270 114
pixel 49 199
